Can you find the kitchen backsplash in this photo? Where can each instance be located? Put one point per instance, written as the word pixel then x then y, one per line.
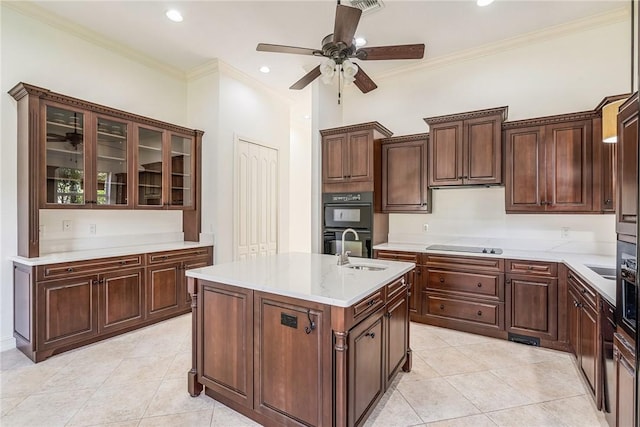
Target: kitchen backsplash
pixel 476 216
pixel 106 228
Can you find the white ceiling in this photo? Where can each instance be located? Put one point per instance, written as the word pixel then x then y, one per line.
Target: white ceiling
pixel 230 30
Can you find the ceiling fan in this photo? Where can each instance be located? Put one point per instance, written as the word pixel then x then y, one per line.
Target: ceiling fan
pixel 340 47
pixel 74 138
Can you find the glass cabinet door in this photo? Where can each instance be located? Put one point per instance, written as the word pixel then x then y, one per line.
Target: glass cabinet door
pixel 65 156
pixel 181 165
pixel 111 177
pixel 150 155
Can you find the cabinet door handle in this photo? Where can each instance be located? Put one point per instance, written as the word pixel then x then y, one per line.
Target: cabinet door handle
pixel 441 306
pixel 370 334
pixel 388 315
pixel 94 282
pixel 479 284
pixel 479 312
pixel 508 281
pixel 583 291
pixel 441 279
pixel 607 201
pixel 70 269
pixel 418 271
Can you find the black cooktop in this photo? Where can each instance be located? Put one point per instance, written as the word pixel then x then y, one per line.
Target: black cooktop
pixel 470 249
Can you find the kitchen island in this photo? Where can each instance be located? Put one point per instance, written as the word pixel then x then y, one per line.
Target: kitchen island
pixel 295 339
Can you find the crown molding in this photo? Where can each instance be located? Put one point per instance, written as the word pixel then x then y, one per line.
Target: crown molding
pixel 206 69
pixel 560 30
pixel 406 138
pixel 549 120
pixel 498 111
pixel 36 12
pixel 373 126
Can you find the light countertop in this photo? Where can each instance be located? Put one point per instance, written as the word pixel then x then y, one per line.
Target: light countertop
pixel 310 277
pixel 107 252
pixel 577 262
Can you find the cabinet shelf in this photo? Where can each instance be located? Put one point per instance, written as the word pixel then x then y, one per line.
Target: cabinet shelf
pixel 149 186
pixel 180 154
pixel 119 159
pixel 180 174
pixel 112 135
pixel 62 150
pixel 146 147
pixel 56 178
pixel 65 125
pixel 181 188
pixel 149 171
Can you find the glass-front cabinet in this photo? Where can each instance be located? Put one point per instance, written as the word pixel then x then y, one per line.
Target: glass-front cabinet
pixel 182 166
pixel 150 159
pixel 65 156
pixel 112 154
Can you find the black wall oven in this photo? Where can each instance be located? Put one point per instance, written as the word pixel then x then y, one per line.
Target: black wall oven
pixel 626 288
pixel 348 210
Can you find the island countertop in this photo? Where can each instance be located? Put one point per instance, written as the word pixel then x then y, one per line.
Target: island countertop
pixel 311 277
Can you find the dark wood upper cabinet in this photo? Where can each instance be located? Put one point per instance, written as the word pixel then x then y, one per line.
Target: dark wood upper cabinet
pixel 466 148
pixel 627 174
pixel 404 174
pixel 76 154
pixel 549 164
pixel 351 157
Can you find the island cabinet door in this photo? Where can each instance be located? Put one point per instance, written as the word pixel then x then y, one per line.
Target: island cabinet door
pixel 366 368
pixel 396 325
pixel 292 361
pixel 225 341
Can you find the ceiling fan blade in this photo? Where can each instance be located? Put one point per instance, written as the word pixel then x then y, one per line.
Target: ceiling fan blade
pixel 306 79
pixel 265 47
pixel 347 19
pixel 405 51
pixel 363 81
pixel 55 137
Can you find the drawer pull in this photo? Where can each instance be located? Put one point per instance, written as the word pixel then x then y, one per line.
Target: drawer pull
pixel 94 282
pixel 584 291
pixel 70 269
pixel 529 267
pixel 123 262
pixel 479 284
pixel 370 334
pixel 441 306
pixel 479 312
pixel 441 279
pixel 372 302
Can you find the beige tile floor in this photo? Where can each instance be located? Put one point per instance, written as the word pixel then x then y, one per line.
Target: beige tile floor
pixel 139 379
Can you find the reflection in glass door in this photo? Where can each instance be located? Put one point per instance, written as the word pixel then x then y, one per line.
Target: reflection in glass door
pixel 65 156
pixel 181 173
pixel 111 162
pixel 149 167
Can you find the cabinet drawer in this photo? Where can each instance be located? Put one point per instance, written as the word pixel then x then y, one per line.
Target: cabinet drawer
pixel 368 305
pixel 465 263
pixel 52 271
pixel 482 285
pixel 473 311
pixel 177 255
pixel 399 256
pixel 538 268
pixel 396 288
pixel 582 288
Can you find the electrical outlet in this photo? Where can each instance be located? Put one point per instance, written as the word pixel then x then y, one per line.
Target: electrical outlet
pixel 92 229
pixel 66 225
pixel 564 232
pixel 425 227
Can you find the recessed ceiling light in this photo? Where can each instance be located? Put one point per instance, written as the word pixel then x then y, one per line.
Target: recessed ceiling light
pixel 484 2
pixel 360 41
pixel 264 69
pixel 174 15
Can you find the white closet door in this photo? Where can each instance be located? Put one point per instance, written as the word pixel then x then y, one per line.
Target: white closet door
pixel 256 201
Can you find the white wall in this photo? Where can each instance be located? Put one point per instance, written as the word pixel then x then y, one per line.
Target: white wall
pixel 242 109
pixel 535 78
pixel 40 54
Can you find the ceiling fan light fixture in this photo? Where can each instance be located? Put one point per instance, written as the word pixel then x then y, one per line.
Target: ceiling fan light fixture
pixel 482 3
pixel 174 15
pixel 349 71
pixel 328 70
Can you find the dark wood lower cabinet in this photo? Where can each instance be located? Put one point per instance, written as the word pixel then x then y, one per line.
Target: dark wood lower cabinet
pixel 61 306
pixel 532 306
pixel 624 359
pixel 67 313
pixel 367 378
pixel 287 361
pixel 121 296
pixel 164 289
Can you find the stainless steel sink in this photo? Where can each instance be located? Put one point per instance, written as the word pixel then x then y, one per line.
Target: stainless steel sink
pixel 604 272
pixel 366 267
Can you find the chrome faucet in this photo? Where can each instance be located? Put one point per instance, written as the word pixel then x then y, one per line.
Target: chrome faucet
pixel 343 258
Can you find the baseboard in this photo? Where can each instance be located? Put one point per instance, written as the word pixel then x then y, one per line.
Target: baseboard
pixel 7 343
